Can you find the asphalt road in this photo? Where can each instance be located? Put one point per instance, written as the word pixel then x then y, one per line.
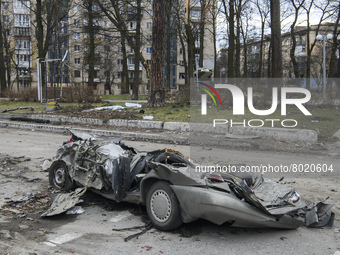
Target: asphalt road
pixel 92 231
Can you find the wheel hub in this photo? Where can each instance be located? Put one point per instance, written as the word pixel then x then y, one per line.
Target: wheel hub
pixel 160 205
pixel 59 176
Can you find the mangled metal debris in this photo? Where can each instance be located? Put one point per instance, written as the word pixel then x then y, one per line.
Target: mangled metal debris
pixel 64 202
pixel 173 192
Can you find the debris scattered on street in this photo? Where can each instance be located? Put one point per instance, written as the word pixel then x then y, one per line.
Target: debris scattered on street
pixel 134 105
pixel 64 201
pixel 19 108
pixel 75 210
pixel 46 165
pixel 148 117
pixel 145 228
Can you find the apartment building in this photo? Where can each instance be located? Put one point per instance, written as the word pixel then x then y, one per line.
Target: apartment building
pixel 70 43
pixel 253 50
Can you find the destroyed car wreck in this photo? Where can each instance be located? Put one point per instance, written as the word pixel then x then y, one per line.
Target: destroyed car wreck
pixel 172 190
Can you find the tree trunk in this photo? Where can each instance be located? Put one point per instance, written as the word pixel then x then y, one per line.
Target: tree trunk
pixel 231 48
pixel 168 44
pixel 214 34
pixel 261 50
pixel 238 40
pixel 202 31
pixel 277 70
pixel 2 60
pixel 136 79
pixel 125 73
pixel 332 62
pixel 156 92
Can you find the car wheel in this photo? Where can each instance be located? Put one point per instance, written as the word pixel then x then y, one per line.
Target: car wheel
pixel 59 176
pixel 162 207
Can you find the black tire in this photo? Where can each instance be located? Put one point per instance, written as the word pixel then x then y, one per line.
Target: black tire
pixel 59 176
pixel 162 207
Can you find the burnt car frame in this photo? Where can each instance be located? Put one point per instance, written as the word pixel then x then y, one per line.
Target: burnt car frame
pixel 172 190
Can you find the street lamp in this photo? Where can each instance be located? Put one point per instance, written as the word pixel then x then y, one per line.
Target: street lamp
pixel 325 38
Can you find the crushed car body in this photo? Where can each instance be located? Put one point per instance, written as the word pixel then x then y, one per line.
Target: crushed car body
pixel 172 190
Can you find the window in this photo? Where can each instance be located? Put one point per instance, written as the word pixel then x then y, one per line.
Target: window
pixel 7 32
pixel 132 50
pixel 22 45
pixel 23 71
pixel 21 20
pixel 120 49
pixel 120 62
pixel 133 25
pixel 21 3
pixel 23 58
pixel 149 38
pixel 76 48
pixel 131 74
pixel 149 25
pixel 181 76
pixel 149 13
pixel 95 8
pixel 77 60
pixel 131 61
pixel 77 73
pixel 96 22
pixel 76 35
pixel 119 75
pixel 5 18
pixel 5 5
pixel 195 14
pixel 181 51
pixel 148 62
pixel 76 22
pixel 75 8
pixel 181 63
pixel 148 50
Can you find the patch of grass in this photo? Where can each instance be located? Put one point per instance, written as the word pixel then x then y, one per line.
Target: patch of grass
pixel 171 112
pixel 10 105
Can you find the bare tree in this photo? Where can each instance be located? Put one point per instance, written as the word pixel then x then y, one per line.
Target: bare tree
pixel 263 8
pixel 2 60
pixel 277 70
pixel 333 72
pixel 310 46
pixel 229 12
pixel 156 92
pixel 297 4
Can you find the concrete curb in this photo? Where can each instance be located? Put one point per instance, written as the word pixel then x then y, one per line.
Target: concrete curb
pixel 99 132
pixel 287 134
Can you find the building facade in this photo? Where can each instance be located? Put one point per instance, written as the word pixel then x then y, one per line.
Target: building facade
pixel 68 58
pixel 300 53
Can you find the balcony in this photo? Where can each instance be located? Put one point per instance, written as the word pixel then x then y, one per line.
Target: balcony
pixel 96 41
pixel 95 79
pixel 22 32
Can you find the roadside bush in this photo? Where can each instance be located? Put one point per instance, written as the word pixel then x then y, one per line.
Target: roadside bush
pixel 78 94
pixel 25 95
pixel 181 97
